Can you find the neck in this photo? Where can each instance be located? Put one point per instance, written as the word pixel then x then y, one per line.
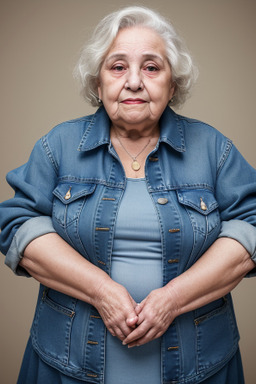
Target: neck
pixel 135 132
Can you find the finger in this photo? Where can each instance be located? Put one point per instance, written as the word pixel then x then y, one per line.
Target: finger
pixel 121 331
pixel 116 332
pixel 137 333
pixel 131 322
pixel 138 308
pixel 141 318
pixel 126 330
pixel 151 335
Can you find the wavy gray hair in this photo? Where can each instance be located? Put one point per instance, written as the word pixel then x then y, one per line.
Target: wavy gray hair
pixel 87 70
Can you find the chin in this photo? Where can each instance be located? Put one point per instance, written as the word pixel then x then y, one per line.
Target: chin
pixel 135 117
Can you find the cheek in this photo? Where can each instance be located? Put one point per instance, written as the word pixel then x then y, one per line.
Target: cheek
pixel 161 94
pixel 109 91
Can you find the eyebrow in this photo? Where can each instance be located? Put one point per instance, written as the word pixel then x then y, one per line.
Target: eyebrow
pixel 147 55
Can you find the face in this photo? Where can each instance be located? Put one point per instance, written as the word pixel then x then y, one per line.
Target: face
pixel 135 82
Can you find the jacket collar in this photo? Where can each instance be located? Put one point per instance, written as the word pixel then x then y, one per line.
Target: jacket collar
pixel 97 132
pixel 171 130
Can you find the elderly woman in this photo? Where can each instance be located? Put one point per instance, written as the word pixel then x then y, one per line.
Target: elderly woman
pixel 136 221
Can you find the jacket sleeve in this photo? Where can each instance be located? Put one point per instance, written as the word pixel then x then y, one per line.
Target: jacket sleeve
pixel 33 184
pixel 236 196
pixel 28 231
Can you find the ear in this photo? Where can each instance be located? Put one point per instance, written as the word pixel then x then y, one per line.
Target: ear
pixel 99 93
pixel 172 90
pixel 99 89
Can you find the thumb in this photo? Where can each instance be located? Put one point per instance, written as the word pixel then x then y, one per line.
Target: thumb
pixel 131 321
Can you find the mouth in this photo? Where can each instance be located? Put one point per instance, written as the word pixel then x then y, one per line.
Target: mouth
pixel 133 101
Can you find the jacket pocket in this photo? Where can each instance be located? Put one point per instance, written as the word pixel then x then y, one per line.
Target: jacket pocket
pixel 69 201
pixel 201 207
pixel 51 331
pixel 216 335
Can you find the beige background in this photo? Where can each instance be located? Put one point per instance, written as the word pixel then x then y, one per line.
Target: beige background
pixel 40 41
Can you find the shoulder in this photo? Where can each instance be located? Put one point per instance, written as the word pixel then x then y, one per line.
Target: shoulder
pixel 67 135
pixel 204 139
pixel 196 125
pixel 204 133
pixel 70 128
pixel 188 127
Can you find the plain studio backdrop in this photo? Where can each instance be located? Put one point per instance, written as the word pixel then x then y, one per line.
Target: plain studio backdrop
pixel 40 43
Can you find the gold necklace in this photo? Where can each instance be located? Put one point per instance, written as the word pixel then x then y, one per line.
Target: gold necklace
pixel 135 164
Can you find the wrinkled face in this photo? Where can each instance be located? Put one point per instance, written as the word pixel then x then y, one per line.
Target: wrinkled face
pixel 135 83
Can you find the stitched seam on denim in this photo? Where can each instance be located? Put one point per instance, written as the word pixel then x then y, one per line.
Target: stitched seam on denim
pixel 49 153
pixel 193 221
pixel 218 222
pixel 167 140
pixel 57 360
pixel 77 180
pixel 87 131
pixel 79 238
pixel 224 156
pixel 58 308
pixel 121 185
pixel 213 313
pixel 182 186
pixel 97 144
pixel 65 227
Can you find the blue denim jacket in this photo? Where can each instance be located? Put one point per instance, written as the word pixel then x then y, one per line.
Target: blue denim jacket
pixel 75 177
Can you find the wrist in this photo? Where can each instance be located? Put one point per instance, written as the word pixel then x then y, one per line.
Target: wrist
pixel 102 290
pixel 173 300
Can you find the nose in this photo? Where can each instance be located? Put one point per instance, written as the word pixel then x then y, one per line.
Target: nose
pixel 134 80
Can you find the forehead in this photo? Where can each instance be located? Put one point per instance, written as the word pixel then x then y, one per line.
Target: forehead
pixel 138 39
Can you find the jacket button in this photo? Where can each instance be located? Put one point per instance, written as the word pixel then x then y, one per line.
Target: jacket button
pixel 162 200
pixel 203 205
pixel 68 194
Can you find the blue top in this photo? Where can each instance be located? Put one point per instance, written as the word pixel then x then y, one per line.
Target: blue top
pixel 137 265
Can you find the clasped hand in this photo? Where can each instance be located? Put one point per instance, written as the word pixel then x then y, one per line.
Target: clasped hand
pixel 135 324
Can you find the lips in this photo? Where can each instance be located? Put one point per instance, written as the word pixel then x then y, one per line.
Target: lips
pixel 133 101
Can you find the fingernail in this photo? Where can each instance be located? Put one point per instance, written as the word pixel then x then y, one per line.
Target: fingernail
pixel 123 343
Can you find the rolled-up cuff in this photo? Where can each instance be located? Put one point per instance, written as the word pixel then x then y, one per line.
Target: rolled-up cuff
pixel 244 233
pixel 30 230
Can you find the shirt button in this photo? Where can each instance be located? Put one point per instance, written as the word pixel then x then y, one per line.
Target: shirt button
pixel 162 200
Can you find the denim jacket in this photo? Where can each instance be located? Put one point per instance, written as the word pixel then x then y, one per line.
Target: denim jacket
pixel 199 183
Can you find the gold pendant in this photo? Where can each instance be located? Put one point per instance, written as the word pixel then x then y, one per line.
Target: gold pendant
pixel 135 165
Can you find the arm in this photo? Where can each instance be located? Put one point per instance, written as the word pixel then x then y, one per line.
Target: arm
pixel 245 234
pixel 28 231
pixel 225 263
pixel 47 257
pixel 214 275
pixel 54 263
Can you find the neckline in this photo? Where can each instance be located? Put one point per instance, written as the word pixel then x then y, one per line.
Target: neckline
pixel 135 179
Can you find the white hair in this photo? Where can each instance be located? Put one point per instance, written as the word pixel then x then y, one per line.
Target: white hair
pixel 87 70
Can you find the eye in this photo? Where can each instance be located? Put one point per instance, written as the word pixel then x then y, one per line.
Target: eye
pixel 151 68
pixel 118 68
